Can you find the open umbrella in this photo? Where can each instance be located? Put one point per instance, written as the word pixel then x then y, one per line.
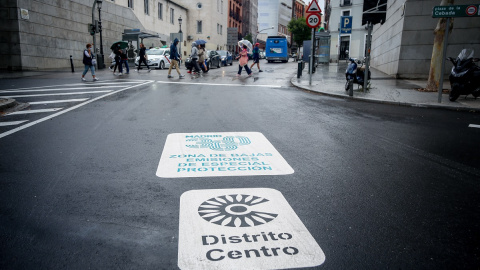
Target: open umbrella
pixel 121 44
pixel 200 41
pixel 247 43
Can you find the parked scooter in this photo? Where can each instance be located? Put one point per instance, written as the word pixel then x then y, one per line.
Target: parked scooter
pixel 465 75
pixel 355 73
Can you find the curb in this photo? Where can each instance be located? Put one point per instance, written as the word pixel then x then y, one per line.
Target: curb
pixel 6 103
pixel 379 101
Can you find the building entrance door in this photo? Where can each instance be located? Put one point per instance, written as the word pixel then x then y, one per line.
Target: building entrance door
pixel 344 47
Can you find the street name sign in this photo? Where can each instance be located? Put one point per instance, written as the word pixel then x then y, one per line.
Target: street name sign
pixel 456 11
pixel 313 7
pixel 220 154
pixel 313 20
pixel 251 228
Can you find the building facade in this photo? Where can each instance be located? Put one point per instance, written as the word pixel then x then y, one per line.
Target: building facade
pixel 403 45
pixel 250 17
pixel 344 45
pixel 298 10
pixel 276 13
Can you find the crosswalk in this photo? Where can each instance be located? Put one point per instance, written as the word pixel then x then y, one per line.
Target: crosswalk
pixel 50 101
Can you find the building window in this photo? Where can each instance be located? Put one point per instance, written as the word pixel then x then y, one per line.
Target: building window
pixel 199 27
pixel 345 3
pixel 346 13
pixel 130 4
pixel 160 11
pixel 172 16
pixel 145 3
pixel 221 29
pixel 221 7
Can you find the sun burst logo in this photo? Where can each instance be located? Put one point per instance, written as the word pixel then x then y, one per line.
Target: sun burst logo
pixel 235 211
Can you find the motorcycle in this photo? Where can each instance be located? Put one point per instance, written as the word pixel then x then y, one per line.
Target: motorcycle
pixel 465 75
pixel 355 73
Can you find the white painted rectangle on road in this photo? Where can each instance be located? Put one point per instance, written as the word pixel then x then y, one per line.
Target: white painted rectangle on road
pixel 35 111
pixel 474 126
pixel 256 228
pixel 58 101
pixel 12 123
pixel 59 94
pixel 220 154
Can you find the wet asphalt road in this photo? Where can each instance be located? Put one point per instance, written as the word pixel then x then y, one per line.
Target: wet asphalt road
pixel 377 186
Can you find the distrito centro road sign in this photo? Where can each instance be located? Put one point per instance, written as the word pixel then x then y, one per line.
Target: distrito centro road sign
pixel 313 20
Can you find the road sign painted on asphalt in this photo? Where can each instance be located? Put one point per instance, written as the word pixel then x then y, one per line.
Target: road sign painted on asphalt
pixel 313 20
pixel 220 154
pixel 456 11
pixel 313 7
pixel 243 229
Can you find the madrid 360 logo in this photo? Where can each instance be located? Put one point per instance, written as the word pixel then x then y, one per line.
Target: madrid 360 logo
pixel 215 142
pixel 236 210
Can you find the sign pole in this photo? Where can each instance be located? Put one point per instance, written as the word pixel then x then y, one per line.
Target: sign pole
pixel 440 85
pixel 311 57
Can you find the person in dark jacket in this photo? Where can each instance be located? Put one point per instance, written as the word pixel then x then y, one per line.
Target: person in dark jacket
pixel 174 59
pixel 124 60
pixel 118 61
pixel 87 61
pixel 256 57
pixel 143 57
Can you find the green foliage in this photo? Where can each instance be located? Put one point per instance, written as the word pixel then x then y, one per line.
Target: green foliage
pixel 300 30
pixel 248 37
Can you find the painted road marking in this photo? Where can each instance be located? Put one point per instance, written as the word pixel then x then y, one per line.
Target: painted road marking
pixel 35 111
pixel 58 101
pixel 474 126
pixel 220 154
pixel 59 94
pixel 114 82
pixel 57 89
pixel 252 228
pixel 69 109
pixel 11 123
pixel 223 84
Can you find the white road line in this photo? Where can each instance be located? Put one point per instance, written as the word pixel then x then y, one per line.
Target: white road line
pixel 12 123
pixel 114 82
pixel 474 126
pixel 58 94
pixel 58 101
pixel 35 111
pixel 56 89
pixel 67 110
pixel 223 84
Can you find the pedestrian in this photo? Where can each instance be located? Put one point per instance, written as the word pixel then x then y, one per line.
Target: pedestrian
pixel 243 62
pixel 194 59
pixel 174 59
pixel 124 60
pixel 201 58
pixel 143 57
pixel 89 62
pixel 256 57
pixel 118 61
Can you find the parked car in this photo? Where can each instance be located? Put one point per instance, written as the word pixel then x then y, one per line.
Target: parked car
pixel 213 59
pixel 157 58
pixel 226 57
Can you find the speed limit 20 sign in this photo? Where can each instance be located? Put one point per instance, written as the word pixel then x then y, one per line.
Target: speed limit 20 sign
pixel 313 20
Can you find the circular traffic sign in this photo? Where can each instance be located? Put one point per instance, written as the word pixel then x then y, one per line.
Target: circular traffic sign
pixel 313 20
pixel 471 10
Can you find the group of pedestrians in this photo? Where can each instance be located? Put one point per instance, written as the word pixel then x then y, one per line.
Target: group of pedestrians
pixel 197 57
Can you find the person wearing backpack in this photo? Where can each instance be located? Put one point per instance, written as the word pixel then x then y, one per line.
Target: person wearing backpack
pixel 89 62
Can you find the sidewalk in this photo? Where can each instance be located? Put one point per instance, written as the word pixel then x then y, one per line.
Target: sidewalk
pixel 330 80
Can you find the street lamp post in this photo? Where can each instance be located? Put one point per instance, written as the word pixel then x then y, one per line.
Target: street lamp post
pixel 99 2
pixel 258 32
pixel 181 35
pixel 101 60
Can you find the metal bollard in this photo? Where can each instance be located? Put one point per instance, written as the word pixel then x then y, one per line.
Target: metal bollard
pixel 299 69
pixel 71 64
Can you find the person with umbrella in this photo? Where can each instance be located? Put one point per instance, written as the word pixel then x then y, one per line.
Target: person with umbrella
pixel 118 62
pixel 243 63
pixel 256 57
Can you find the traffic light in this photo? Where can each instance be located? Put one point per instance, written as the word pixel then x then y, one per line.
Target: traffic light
pixel 96 26
pixel 99 27
pixel 91 29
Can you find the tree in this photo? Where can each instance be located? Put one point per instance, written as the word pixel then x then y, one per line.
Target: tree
pixel 248 37
pixel 300 30
pixel 437 53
